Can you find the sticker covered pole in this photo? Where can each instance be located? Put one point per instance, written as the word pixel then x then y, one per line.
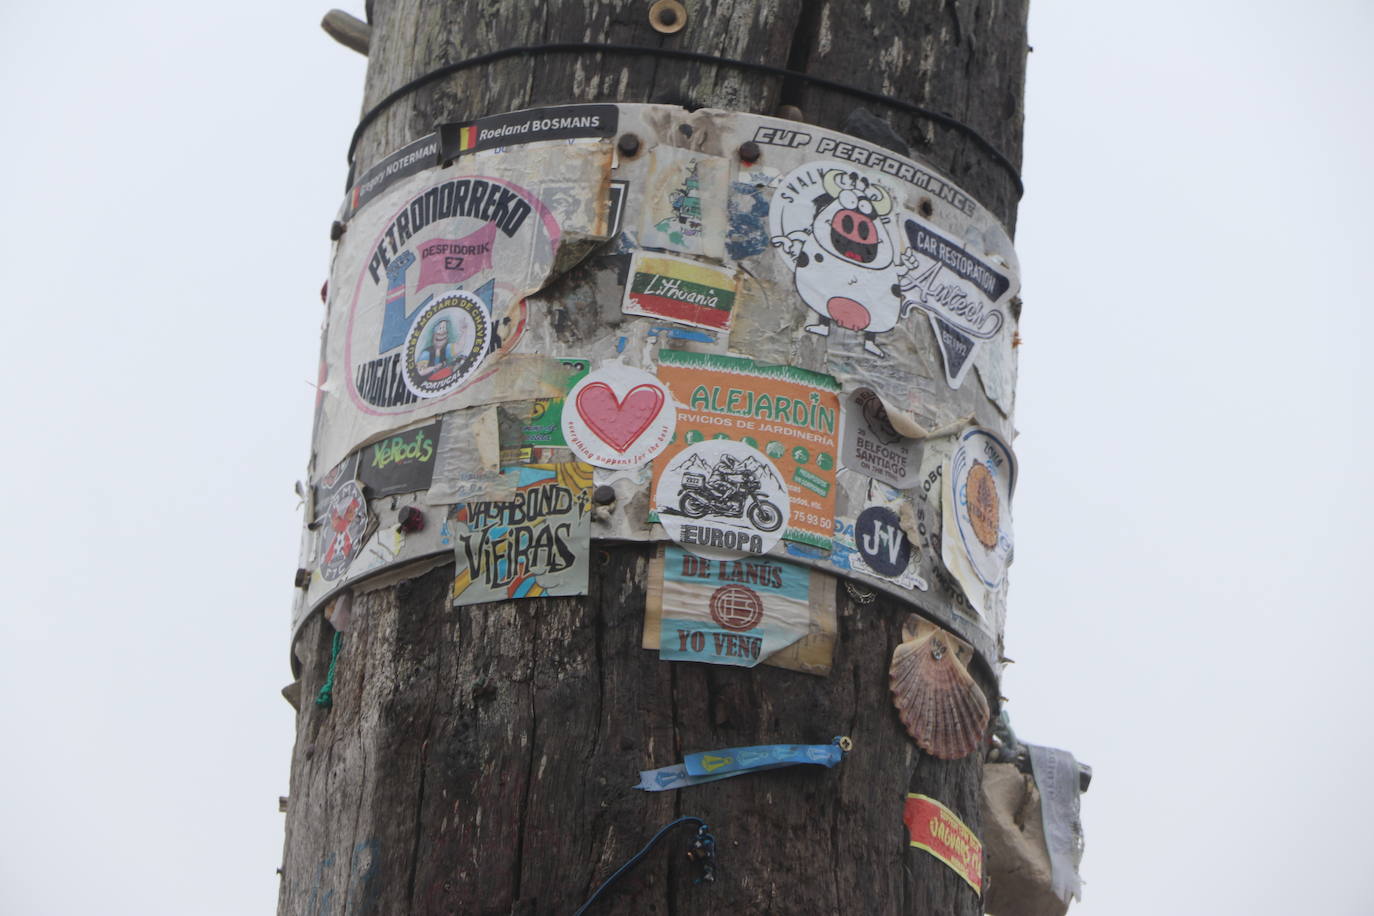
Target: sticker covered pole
pixel 664 435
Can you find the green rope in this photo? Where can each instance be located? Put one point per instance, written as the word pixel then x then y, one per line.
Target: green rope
pixel 326 695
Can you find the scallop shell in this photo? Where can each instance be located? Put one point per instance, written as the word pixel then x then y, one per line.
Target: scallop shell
pixel 936 698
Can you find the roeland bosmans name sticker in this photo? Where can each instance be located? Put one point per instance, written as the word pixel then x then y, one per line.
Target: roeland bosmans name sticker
pixel 936 829
pixel 682 290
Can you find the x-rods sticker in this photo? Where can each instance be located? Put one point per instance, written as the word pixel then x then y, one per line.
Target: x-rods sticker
pixel 722 499
pixel 709 766
pixel 618 417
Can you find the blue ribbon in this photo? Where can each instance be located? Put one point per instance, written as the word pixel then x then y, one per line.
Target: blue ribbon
pixel 708 766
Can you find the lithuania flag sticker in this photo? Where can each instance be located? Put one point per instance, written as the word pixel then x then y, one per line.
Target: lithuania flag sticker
pixel 682 290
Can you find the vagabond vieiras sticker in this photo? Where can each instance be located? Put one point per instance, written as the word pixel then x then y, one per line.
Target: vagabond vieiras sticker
pixel 720 499
pixel 618 417
pixel 977 544
pixel 447 341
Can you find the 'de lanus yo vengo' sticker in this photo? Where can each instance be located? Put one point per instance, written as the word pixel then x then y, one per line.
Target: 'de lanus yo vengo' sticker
pixel 722 499
pixel 618 417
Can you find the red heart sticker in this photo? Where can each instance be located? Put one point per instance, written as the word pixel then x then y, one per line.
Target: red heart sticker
pixel 619 422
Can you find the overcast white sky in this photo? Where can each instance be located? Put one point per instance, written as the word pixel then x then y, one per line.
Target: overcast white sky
pixel 1188 611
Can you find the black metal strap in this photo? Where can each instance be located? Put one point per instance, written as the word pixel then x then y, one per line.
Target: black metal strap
pixel 936 117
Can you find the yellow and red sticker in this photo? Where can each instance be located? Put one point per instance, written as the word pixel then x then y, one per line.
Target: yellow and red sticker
pixel 936 829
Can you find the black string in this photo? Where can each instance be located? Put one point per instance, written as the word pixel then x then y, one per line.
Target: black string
pixel 943 120
pixel 704 839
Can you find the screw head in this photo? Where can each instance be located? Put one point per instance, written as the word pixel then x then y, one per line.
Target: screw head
pixel 628 145
pixel 749 151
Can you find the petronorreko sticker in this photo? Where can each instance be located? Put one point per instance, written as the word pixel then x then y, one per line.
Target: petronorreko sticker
pixel 618 417
pixel 721 499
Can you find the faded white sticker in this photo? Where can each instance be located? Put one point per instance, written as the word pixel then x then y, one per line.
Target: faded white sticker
pixel 873 447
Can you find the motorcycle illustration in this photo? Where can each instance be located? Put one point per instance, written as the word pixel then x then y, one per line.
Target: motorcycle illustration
pixel 730 490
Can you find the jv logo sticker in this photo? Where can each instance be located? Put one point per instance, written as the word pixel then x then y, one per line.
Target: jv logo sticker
pixel 881 542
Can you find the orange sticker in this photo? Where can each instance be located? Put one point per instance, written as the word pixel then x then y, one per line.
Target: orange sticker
pixel 787 413
pixel 938 831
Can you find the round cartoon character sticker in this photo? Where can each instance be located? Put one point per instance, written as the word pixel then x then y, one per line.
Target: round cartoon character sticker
pixel 834 227
pixel 447 342
pixel 722 499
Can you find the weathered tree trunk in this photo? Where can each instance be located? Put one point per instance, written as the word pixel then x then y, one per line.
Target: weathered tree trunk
pixel 479 759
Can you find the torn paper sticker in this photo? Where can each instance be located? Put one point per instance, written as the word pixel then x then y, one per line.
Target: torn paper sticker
pixel 618 417
pixel 685 197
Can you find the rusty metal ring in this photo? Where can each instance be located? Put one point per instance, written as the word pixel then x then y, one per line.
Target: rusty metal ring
pixel 667 16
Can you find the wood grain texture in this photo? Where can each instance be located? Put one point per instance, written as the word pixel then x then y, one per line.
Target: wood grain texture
pixel 480 759
pixel 965 58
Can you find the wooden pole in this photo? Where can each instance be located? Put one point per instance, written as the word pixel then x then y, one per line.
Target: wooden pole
pixel 479 760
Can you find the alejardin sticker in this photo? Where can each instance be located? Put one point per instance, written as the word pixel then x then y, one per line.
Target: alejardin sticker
pixel 447 342
pixel 618 417
pixel 721 499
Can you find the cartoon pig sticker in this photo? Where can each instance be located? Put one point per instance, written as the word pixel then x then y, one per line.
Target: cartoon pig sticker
pixel 834 226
